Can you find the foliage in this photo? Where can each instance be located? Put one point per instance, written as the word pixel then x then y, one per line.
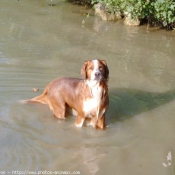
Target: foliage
pixel 160 12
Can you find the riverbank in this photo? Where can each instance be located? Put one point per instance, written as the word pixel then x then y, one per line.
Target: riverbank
pixel 135 13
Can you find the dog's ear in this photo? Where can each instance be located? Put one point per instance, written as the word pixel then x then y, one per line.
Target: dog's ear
pixel 83 70
pixel 106 69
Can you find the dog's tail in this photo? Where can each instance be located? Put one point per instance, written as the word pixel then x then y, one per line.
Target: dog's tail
pixel 41 99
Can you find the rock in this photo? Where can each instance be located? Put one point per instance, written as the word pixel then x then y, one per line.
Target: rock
pixel 104 14
pixel 131 22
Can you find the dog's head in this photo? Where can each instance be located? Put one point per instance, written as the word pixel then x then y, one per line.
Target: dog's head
pixel 95 70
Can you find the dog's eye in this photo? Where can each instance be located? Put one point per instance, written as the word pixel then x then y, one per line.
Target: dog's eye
pixel 100 68
pixel 90 68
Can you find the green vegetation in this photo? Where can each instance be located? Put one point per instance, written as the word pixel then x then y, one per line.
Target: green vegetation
pixel 155 12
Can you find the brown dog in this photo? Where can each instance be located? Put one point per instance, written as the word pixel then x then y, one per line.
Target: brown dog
pixel 87 96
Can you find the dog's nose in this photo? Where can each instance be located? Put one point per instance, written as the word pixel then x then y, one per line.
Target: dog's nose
pixel 97 74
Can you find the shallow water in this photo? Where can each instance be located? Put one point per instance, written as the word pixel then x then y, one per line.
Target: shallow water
pixel 38 43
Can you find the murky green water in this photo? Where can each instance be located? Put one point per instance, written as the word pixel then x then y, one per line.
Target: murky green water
pixel 38 43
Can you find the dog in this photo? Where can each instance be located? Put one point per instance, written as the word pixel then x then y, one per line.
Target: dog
pixel 87 96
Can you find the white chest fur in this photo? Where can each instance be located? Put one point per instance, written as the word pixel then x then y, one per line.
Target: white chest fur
pixel 91 105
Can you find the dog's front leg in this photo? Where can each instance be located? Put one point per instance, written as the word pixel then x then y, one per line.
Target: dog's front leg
pixel 101 122
pixel 79 120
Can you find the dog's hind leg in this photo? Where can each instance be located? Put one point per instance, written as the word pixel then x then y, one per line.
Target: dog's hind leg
pixel 58 108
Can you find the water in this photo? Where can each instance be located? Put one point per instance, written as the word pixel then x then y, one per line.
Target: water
pixel 40 42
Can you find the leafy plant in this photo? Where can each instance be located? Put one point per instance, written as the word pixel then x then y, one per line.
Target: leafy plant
pixel 160 12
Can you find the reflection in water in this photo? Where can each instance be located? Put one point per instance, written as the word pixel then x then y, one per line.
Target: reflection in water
pixel 90 158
